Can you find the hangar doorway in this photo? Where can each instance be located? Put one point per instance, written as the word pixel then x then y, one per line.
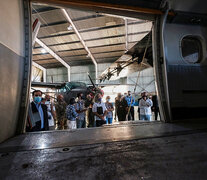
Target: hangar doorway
pixel 116 51
pixel 58 139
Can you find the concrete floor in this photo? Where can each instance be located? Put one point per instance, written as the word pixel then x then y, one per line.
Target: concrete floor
pixel 127 151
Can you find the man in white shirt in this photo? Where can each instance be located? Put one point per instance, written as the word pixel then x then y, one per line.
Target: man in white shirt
pixel 99 110
pixel 37 116
pixel 51 112
pixel 145 105
pixel 80 109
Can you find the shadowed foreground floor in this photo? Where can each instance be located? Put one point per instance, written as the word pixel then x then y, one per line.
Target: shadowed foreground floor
pixel 178 155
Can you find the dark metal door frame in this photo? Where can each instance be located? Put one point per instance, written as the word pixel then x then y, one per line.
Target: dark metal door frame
pixel 23 110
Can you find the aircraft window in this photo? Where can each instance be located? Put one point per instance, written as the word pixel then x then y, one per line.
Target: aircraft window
pixel 191 49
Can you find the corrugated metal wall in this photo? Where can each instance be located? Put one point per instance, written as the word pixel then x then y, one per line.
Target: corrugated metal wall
pixel 78 73
pixel 146 80
pixel 57 75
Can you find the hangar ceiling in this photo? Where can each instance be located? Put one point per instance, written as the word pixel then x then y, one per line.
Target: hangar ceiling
pixel 106 36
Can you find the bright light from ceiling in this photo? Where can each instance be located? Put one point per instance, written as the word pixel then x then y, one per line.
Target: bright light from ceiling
pixel 43 51
pixel 70 28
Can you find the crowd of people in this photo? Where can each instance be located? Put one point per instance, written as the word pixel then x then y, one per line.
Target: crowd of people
pixel 92 112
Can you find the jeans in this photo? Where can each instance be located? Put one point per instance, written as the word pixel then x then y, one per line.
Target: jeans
pixel 108 120
pixel 81 123
pixel 156 113
pixel 131 114
pixel 145 117
pixel 92 122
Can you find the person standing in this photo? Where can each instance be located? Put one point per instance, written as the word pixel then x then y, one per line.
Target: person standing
pixel 117 99
pixel 80 109
pixel 110 108
pixel 145 105
pixel 60 107
pixel 155 107
pixel 51 112
pixel 99 110
pixel 37 117
pixel 71 114
pixel 89 112
pixel 131 102
pixel 139 107
pixel 122 107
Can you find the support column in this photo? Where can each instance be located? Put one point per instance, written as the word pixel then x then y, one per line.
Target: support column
pixel 126 34
pixel 82 42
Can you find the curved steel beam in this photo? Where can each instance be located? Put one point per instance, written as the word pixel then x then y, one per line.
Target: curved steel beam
pixel 54 55
pixel 100 5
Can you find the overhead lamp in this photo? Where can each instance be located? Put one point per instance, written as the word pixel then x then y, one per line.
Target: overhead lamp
pixel 43 51
pixel 70 27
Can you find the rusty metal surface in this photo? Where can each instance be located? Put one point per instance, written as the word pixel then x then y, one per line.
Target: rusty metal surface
pixel 119 132
pixel 175 157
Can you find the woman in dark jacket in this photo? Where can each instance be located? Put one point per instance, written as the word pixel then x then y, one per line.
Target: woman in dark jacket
pixel 121 107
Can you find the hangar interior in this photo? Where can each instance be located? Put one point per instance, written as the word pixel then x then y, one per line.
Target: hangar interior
pixel 173 150
pixel 90 45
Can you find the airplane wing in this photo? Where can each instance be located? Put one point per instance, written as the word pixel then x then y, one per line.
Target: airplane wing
pixel 48 85
pixel 131 61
